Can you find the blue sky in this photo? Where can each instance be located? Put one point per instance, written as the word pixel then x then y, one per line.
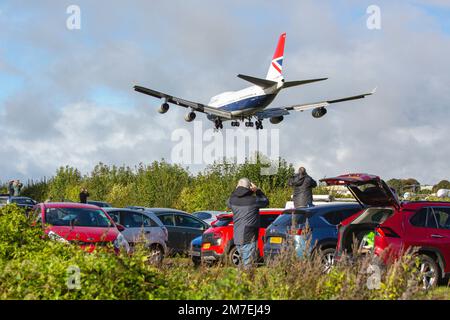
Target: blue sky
pixel 50 75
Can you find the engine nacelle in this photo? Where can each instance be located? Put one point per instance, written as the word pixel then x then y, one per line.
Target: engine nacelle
pixel 276 120
pixel 319 112
pixel 190 116
pixel 163 108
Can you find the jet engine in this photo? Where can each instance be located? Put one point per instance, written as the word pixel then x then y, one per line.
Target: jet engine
pixel 163 108
pixel 319 112
pixel 190 116
pixel 276 120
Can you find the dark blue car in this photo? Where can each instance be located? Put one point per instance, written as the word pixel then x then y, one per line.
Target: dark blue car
pixel 196 250
pixel 322 221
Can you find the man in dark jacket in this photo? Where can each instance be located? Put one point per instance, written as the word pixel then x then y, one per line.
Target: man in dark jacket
pixel 303 185
pixel 84 194
pixel 245 202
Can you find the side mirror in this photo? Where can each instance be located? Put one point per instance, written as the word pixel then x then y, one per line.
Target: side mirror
pixel 120 227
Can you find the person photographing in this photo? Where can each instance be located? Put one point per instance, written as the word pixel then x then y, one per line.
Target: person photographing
pixel 303 185
pixel 245 202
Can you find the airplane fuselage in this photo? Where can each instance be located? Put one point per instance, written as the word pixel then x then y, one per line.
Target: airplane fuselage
pixel 245 102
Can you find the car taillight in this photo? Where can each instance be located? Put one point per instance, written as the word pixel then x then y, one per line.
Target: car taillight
pixel 386 232
pixel 296 232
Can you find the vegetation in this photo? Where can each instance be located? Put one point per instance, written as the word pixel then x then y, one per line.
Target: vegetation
pixel 33 267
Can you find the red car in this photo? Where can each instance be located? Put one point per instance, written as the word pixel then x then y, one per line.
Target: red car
pixel 217 241
pixel 86 225
pixel 389 227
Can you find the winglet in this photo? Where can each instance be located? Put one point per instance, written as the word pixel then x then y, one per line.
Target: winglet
pixel 374 90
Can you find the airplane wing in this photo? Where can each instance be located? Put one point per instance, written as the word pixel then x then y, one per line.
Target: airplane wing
pixel 184 103
pixel 308 106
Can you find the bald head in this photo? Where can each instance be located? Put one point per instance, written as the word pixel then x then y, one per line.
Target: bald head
pixel 244 182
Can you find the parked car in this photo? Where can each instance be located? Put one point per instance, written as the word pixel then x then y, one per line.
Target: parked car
pixel 196 251
pixel 182 227
pixel 139 224
pixel 396 226
pixel 101 204
pixel 207 216
pixel 83 224
pixel 322 221
pixel 22 202
pixel 218 243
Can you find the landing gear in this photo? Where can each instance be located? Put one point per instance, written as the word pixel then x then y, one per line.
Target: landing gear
pixel 249 124
pixel 235 123
pixel 258 124
pixel 218 124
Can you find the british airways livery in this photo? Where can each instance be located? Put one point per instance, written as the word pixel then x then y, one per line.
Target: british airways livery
pixel 250 103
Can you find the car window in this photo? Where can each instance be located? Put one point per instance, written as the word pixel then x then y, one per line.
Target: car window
pixel 296 217
pixel 267 219
pixel 374 215
pixel 76 216
pixel 115 215
pixel 23 201
pixel 37 217
pixel 167 219
pixel 223 222
pixel 189 222
pixel 442 216
pixel 424 218
pixel 132 220
pixel 203 215
pixel 337 216
pixel 149 222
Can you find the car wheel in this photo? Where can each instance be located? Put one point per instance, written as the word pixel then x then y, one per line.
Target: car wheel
pixel 156 254
pixel 196 261
pixel 429 270
pixel 234 256
pixel 327 259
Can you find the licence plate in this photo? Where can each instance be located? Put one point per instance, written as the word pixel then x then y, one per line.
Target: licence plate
pixel 195 253
pixel 206 246
pixel 276 240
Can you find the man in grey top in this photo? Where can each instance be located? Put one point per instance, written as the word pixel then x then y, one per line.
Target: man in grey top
pixel 303 185
pixel 245 202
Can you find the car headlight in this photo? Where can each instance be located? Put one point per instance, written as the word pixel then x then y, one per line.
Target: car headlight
pixel 56 237
pixel 121 243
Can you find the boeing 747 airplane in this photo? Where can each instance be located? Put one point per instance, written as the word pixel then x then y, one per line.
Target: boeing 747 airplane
pixel 250 103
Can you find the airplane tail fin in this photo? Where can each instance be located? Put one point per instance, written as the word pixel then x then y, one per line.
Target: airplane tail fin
pixel 276 66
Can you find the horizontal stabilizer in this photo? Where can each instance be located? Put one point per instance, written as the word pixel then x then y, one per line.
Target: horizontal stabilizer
pixel 264 83
pixel 288 84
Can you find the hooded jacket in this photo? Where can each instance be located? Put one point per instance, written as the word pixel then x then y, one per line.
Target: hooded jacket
pixel 303 185
pixel 245 205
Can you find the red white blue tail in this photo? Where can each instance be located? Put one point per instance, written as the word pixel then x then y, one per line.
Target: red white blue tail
pixel 276 66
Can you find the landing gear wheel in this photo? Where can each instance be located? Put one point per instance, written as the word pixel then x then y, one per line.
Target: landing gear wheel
pixel 258 124
pixel 218 124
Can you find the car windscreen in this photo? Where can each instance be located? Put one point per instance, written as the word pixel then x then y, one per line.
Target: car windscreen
pixel 289 217
pixel 22 201
pixel 80 217
pixel 223 222
pixel 267 219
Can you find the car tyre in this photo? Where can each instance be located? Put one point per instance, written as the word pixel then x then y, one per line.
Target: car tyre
pixel 234 257
pixel 327 258
pixel 430 271
pixel 156 254
pixel 196 261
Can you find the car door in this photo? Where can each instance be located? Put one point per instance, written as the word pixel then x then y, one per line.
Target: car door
pixel 175 240
pixel 441 236
pixel 134 226
pixel 190 228
pixel 422 230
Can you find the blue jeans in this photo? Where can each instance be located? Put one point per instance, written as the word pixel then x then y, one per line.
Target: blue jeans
pixel 247 253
